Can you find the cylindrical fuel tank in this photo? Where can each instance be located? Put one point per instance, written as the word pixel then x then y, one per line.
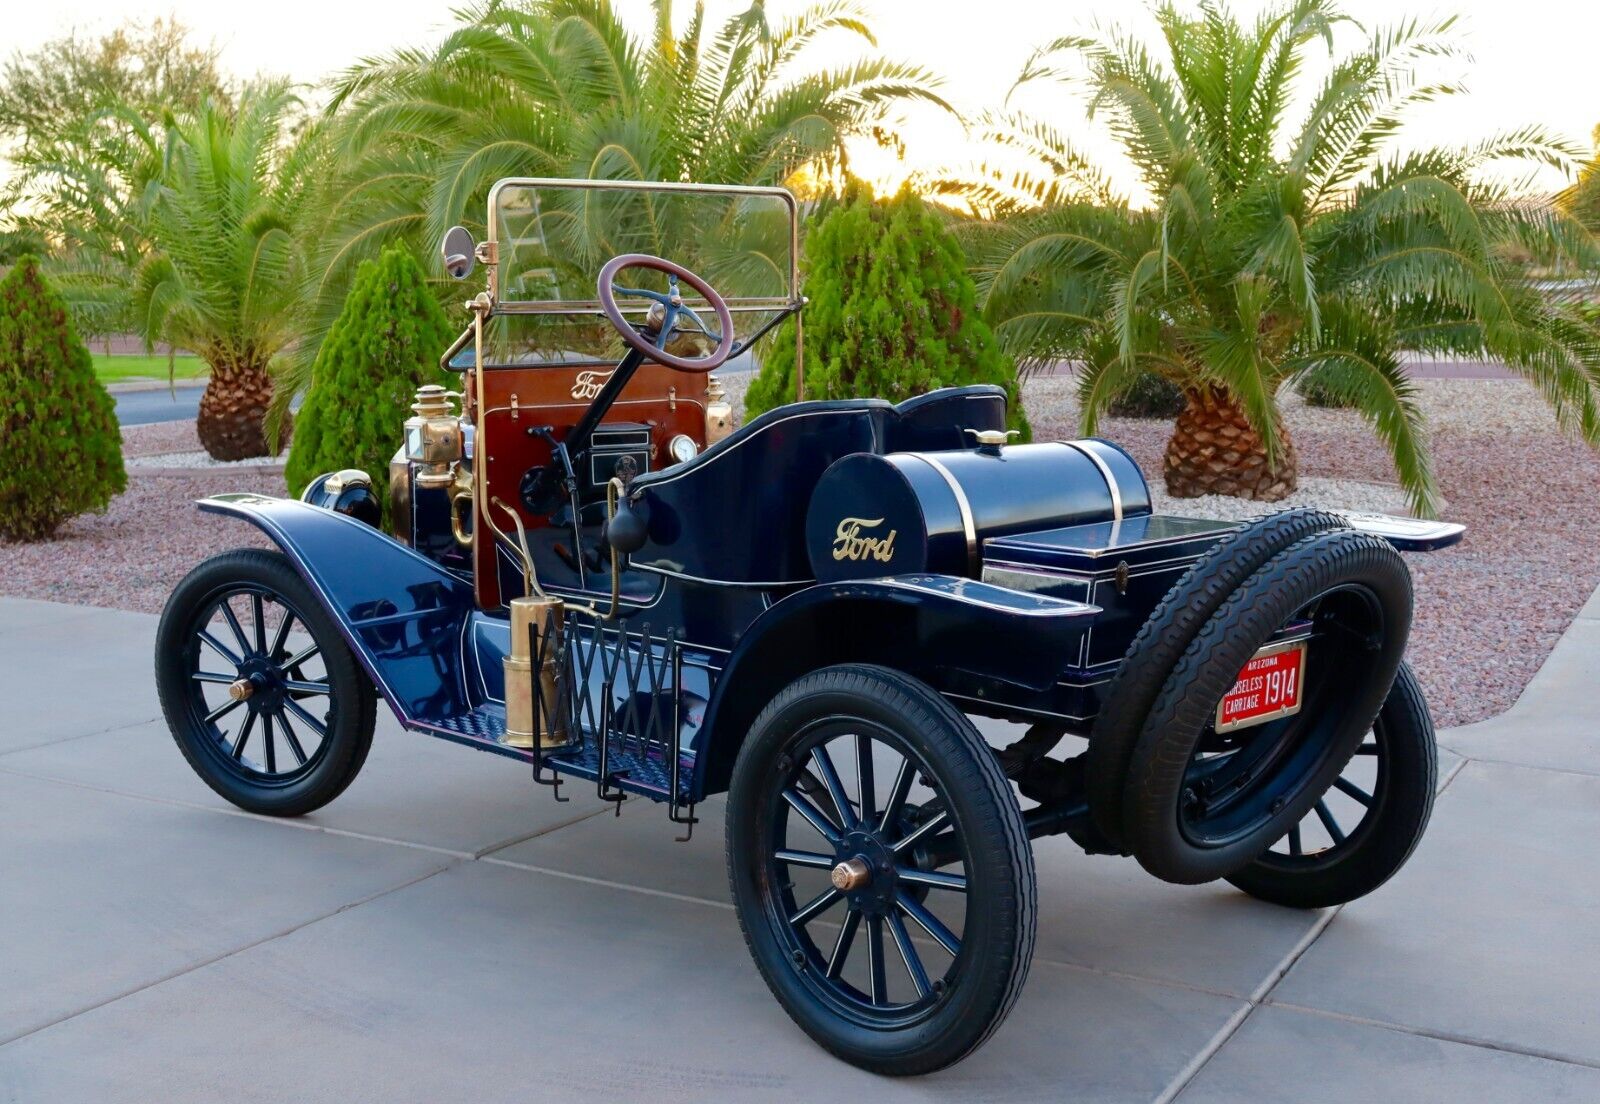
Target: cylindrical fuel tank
pixel 909 512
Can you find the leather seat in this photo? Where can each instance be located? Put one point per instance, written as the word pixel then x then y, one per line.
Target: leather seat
pixel 939 419
pixel 736 513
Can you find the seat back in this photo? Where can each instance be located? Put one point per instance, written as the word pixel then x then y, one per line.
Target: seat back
pixel 736 513
pixel 938 419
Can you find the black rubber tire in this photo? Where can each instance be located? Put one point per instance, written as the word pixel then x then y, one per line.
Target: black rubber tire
pixel 999 930
pixel 1371 854
pixel 353 701
pixel 1184 709
pixel 1163 639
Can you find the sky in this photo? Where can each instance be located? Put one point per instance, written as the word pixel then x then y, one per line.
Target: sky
pixel 1532 60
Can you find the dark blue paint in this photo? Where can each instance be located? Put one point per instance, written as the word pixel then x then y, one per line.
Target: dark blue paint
pixel 1027 620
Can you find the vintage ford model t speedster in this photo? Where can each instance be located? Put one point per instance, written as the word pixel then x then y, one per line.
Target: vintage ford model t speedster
pixel 591 574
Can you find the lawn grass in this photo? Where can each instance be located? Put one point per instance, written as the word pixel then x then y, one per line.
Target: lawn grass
pixel 119 369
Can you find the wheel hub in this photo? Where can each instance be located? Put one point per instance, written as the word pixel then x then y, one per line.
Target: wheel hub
pixel 259 684
pixel 851 875
pixel 866 868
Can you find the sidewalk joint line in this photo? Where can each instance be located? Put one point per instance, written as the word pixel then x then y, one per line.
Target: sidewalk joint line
pixel 607 883
pixel 484 852
pixel 1440 1035
pixel 1124 975
pixel 281 822
pixel 1574 771
pixel 220 956
pixel 1191 1069
pixel 81 736
pixel 1257 997
pixel 1451 777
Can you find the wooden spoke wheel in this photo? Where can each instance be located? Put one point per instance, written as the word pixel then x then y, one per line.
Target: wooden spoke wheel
pixel 262 695
pixel 881 869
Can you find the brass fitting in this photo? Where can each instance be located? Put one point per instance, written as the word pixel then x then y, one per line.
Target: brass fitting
pixel 719 412
pixel 542 616
pixel 461 499
pixel 400 496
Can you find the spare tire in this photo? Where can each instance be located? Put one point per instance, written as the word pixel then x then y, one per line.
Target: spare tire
pixel 1162 640
pixel 1198 806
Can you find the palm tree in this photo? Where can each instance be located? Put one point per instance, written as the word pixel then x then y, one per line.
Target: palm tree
pixel 1582 200
pixel 562 88
pixel 1275 244
pixel 223 268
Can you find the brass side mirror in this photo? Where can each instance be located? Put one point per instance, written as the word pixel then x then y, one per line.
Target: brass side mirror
pixel 458 250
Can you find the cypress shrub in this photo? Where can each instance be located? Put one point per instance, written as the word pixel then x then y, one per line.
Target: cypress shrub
pixel 892 312
pixel 60 447
pixel 383 346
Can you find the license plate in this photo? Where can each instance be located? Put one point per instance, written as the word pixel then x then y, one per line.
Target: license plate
pixel 1269 687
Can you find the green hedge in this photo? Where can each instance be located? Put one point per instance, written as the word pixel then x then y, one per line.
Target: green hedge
pixel 60 447
pixel 892 312
pixel 384 345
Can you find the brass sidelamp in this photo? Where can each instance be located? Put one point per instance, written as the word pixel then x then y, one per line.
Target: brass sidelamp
pixel 433 437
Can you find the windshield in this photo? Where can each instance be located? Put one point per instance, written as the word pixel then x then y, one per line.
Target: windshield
pixel 553 236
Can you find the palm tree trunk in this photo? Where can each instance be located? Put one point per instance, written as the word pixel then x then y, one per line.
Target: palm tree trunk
pixel 1213 450
pixel 232 409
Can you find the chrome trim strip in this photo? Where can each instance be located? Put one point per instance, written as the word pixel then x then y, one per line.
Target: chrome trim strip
pixel 1061 607
pixel 1214 535
pixel 974 561
pixel 1105 473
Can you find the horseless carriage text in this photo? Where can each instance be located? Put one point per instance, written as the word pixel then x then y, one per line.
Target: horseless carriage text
pixel 590 572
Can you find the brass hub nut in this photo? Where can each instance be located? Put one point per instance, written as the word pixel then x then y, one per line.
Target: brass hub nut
pixel 851 875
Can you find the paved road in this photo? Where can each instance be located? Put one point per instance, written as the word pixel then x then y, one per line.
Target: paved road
pixel 182 404
pixel 163 405
pixel 444 931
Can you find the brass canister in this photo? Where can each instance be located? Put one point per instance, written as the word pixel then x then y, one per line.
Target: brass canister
pixel 542 616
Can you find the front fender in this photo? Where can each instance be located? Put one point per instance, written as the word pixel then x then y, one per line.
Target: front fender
pixel 934 627
pixel 400 613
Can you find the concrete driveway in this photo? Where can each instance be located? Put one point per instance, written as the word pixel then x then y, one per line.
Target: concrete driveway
pixel 444 931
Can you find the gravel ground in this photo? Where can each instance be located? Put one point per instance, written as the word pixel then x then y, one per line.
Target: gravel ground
pixel 150 536
pixel 203 461
pixel 159 438
pixel 1488 611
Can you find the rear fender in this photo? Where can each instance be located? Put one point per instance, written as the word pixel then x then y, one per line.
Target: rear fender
pixel 930 626
pixel 1408 534
pixel 401 614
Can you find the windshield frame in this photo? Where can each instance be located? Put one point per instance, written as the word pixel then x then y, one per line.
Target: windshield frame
pixel 736 305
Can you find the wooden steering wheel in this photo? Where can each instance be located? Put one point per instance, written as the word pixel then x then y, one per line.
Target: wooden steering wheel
pixel 673 308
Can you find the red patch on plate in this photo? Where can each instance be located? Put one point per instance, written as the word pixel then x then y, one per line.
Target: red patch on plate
pixel 1269 687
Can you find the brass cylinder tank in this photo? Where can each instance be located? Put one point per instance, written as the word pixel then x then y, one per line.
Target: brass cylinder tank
pixel 536 627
